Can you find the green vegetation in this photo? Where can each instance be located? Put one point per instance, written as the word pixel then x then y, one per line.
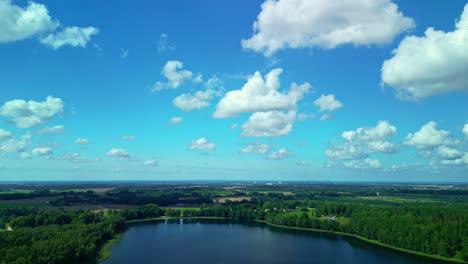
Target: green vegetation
pixel 425 220
pixel 104 253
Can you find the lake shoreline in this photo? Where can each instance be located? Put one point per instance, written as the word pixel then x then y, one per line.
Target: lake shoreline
pixel 105 252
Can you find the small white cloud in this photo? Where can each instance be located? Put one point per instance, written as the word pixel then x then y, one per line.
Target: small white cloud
pixel 448 153
pixel 23 22
pixel 151 163
pixel 429 137
pixel 175 121
pixel 120 153
pixel 5 135
pixel 465 131
pixel 280 154
pixel 326 24
pixel 363 164
pixel 327 103
pixel 51 130
pixel 234 125
pixel 42 151
pixel 202 144
pixel 82 141
pixel 29 114
pixel 460 161
pixel 163 44
pixel 257 148
pixel 303 117
pixel 123 53
pixel 269 124
pixel 260 94
pixel 327 117
pixel 431 64
pixel 73 36
pixel 176 76
pixel 12 145
pixel 128 137
pixel 188 102
pixel 25 155
pixel 72 156
pixel 303 163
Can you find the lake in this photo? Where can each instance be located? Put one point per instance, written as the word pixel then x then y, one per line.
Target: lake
pixel 223 241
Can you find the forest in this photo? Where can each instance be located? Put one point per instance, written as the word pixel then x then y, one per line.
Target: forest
pixel 408 219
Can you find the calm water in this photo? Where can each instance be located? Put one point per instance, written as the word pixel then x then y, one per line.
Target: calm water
pixel 220 241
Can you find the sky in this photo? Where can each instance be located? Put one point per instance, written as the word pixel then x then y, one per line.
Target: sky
pixel 275 90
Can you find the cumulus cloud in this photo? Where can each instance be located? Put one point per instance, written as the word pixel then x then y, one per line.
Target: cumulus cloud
pixel 72 156
pixel 42 151
pixel 448 153
pixel 163 44
pixel 51 130
pixel 326 24
pixel 327 103
pixel 269 124
pixel 460 161
pixel 260 94
pixel 431 64
pixel 429 137
pixel 175 120
pixel 82 141
pixel 4 135
pixel 25 155
pixel 119 153
pixel 18 23
pixel 176 76
pixel 29 114
pixel 72 36
pixel 303 163
pixel 151 163
pixel 257 148
pixel 303 117
pixel 363 164
pixel 280 154
pixel 465 131
pixel 202 144
pixel 128 137
pixel 327 117
pixel 200 99
pixel 9 144
pixel 360 143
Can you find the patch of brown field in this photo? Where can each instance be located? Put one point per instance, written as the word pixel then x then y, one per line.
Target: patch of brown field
pixel 92 207
pixel 233 188
pixel 232 199
pixel 284 193
pixel 102 190
pixel 37 200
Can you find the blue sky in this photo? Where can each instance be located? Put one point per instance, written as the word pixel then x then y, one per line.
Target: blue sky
pixel 234 90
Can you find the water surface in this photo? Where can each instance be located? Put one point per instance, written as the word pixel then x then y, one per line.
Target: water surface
pixel 223 241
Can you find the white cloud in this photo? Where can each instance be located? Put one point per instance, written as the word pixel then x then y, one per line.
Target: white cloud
pixel 119 153
pixel 269 124
pixel 29 114
pixel 327 103
pixel 429 137
pixel 151 163
pixel 326 24
pixel 234 125
pixel 123 53
pixel 465 131
pixel 42 151
pixel 363 141
pixel 202 144
pixel 175 121
pixel 25 155
pixel 260 95
pixel 303 163
pixel 327 117
pixel 188 102
pixel 82 141
pixel 4 135
pixel 448 153
pixel 51 130
pixel 280 154
pixel 163 44
pixel 11 145
pixel 257 148
pixel 128 137
pixel 72 156
pixel 460 161
pixel 176 76
pixel 431 64
pixel 303 117
pixel 405 166
pixel 363 164
pixel 73 36
pixel 18 23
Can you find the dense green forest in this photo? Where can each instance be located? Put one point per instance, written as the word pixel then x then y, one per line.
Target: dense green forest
pixel 428 220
